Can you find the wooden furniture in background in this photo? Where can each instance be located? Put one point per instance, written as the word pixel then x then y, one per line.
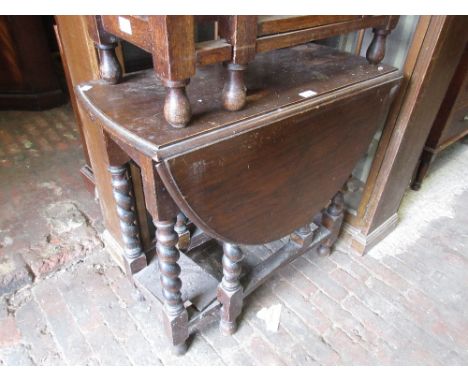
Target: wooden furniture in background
pixel 451 122
pixel 27 76
pixel 81 64
pixel 250 177
pixel 438 44
pixel 171 40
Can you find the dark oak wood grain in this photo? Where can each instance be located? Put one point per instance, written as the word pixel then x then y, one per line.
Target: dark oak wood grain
pixel 248 177
pixel 280 24
pixel 28 79
pixel 451 122
pixel 171 40
pixel 260 185
pixel 134 108
pixel 225 156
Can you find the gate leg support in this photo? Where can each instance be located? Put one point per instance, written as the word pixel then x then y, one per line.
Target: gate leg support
pixel 332 219
pixel 230 291
pixel 176 316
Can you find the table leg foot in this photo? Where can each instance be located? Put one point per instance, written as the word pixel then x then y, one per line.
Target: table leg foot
pixel 175 314
pixel 230 291
pixel 180 349
pixel 324 250
pixel 227 328
pixel 423 167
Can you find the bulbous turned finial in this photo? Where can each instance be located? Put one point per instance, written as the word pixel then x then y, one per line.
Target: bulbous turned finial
pixel 376 51
pixel 109 67
pixel 234 91
pixel 177 110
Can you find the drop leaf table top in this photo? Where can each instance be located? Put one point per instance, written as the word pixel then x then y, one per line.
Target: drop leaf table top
pixel 254 175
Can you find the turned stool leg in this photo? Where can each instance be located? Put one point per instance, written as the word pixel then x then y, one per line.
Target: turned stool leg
pixel 230 291
pixel 332 219
pixel 241 32
pixel 122 189
pixel 109 66
pixel 376 51
pixel 176 316
pixel 174 59
pixel 234 91
pixel 177 110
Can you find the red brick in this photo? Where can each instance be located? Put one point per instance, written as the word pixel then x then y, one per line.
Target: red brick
pixel 323 262
pixel 350 352
pixel 347 281
pixel 294 277
pixel 9 332
pixel 321 279
pixel 308 312
pixel 263 353
pixel 61 323
pixel 383 273
pixel 344 320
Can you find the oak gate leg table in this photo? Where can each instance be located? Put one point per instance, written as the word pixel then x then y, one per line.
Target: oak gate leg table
pixel 253 176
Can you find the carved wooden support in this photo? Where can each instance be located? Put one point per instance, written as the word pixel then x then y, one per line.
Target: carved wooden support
pixel 183 231
pixel 235 91
pixel 135 258
pixel 304 236
pixel 176 316
pixel 376 51
pixel 230 291
pixel 300 241
pixel 109 66
pixel 177 110
pixel 332 219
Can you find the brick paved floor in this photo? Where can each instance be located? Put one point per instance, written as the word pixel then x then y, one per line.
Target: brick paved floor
pixel 40 159
pixel 403 304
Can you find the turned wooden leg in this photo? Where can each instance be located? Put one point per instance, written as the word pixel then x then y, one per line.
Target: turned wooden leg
pixel 109 66
pixel 230 291
pixel 376 51
pixel 183 231
pixel 176 316
pixel 332 219
pixel 135 259
pixel 423 167
pixel 177 110
pixel 234 91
